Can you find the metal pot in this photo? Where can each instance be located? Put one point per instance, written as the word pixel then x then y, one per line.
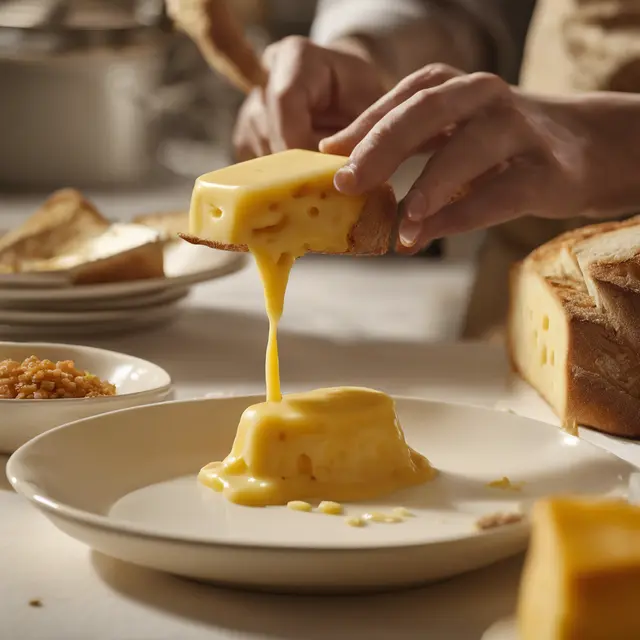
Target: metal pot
pixel 76 86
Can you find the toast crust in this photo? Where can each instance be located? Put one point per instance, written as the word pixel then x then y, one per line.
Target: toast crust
pixel 372 235
pixel 216 32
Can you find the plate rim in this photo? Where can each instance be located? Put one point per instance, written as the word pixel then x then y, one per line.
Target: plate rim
pixel 101 522
pixel 233 262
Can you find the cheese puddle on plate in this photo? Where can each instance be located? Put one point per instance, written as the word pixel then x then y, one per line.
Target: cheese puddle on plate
pixel 342 443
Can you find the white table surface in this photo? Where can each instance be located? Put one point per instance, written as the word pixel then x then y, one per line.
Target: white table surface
pixel 388 323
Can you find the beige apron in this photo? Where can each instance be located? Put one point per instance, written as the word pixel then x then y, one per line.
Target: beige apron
pixel 572 46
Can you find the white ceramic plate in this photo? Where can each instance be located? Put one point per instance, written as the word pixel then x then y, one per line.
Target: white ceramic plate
pixel 137 382
pixel 125 484
pixel 136 320
pixel 185 265
pixel 81 316
pixel 96 304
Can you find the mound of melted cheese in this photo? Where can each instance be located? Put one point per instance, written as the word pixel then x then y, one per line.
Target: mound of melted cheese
pixel 341 443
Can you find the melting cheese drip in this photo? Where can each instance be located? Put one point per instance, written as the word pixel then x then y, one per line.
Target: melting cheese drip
pixel 343 443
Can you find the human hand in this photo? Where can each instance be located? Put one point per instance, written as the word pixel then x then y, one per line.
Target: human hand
pixel 497 153
pixel 312 92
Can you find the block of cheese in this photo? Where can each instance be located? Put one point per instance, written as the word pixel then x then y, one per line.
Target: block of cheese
pixel 574 325
pixel 581 579
pixel 286 203
pixel 342 443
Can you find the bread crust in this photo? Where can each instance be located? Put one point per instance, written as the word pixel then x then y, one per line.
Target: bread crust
pixel 371 235
pixel 216 32
pixel 603 359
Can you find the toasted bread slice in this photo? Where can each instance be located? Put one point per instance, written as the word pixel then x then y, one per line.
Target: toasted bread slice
pixel 169 224
pixel 216 32
pixel 122 252
pixel 65 217
pixel 372 234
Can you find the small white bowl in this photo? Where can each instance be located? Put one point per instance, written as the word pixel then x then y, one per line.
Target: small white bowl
pixel 137 382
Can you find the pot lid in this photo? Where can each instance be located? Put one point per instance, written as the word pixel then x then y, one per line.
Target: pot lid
pixel 56 25
pixel 74 15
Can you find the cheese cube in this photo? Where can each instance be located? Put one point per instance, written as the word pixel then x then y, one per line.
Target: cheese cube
pixel 581 579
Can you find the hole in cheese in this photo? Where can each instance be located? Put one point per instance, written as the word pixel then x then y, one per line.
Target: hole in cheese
pixel 272 228
pixel 301 191
pixel 274 206
pixel 313 212
pixel 216 212
pixel 552 358
pixel 545 323
pixel 282 436
pixel 543 355
pixel 305 468
pixel 323 195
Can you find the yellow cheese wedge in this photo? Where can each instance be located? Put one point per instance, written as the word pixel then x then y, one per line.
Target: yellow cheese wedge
pixel 582 575
pixel 279 204
pixel 334 444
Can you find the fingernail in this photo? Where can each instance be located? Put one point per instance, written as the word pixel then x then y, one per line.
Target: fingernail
pixel 345 179
pixel 415 205
pixel 324 143
pixel 409 232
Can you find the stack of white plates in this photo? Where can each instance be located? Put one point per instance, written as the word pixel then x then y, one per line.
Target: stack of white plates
pixel 50 307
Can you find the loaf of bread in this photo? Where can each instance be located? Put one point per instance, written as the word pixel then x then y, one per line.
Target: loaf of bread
pixel 574 325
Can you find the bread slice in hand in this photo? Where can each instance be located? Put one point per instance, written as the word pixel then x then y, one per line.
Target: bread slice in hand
pixel 574 325
pixel 286 203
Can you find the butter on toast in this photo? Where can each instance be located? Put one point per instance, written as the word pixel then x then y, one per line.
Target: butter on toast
pixel 169 224
pixel 122 252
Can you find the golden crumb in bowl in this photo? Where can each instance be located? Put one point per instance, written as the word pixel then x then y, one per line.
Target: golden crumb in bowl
pixel 35 379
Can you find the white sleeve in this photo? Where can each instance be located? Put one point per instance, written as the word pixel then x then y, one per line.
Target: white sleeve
pixel 336 19
pixel 486 23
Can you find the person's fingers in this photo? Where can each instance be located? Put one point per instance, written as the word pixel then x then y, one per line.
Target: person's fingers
pixel 486 141
pixel 292 91
pixel 518 191
pixel 415 122
pixel 250 137
pixel 343 142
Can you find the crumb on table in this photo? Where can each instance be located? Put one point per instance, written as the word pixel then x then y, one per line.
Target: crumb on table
pixel 36 602
pixel 498 519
